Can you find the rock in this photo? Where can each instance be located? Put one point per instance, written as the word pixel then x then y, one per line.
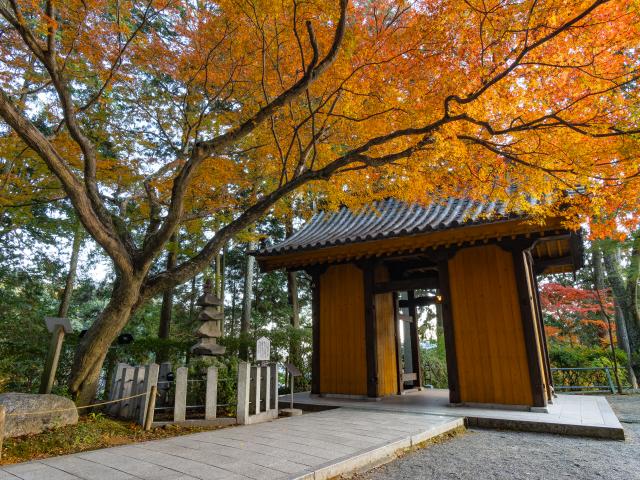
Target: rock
pixel 209 299
pixel 20 409
pixel 210 313
pixel 209 329
pixel 207 346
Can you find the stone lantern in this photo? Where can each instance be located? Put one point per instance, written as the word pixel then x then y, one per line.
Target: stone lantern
pixel 210 329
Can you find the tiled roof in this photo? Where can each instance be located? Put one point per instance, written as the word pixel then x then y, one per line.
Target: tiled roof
pixel 387 219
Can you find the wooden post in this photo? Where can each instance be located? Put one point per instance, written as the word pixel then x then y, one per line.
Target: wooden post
pixel 51 364
pixel 2 417
pixel 291 401
pixel 370 330
pixel 274 386
pixel 449 335
pixel 244 380
pixel 415 341
pixel 266 379
pixel 396 323
pixel 528 326
pixel 150 381
pixel 315 324
pixel 211 399
pixel 180 402
pixel 256 384
pixel 150 407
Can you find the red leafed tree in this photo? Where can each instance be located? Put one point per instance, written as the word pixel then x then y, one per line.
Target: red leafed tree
pixel 574 315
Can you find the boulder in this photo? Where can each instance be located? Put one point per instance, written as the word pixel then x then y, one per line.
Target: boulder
pixel 21 418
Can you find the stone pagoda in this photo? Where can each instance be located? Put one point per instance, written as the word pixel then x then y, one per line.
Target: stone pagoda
pixel 210 329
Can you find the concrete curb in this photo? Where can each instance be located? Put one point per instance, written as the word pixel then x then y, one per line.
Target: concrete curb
pixel 377 455
pixel 593 431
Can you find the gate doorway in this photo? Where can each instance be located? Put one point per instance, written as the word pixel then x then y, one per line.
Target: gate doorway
pixel 418 324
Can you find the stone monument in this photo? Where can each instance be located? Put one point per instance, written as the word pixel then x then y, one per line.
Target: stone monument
pixel 210 329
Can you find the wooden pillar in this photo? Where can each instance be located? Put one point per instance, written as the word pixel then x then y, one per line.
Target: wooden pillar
pixel 370 330
pixel 529 327
pixel 315 341
pixel 265 378
pixel 396 322
pixel 255 390
pixel 449 337
pixel 273 384
pixel 415 341
pixel 543 334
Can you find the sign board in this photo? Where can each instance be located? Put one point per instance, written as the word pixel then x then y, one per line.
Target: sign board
pixel 292 369
pixel 263 349
pixel 53 322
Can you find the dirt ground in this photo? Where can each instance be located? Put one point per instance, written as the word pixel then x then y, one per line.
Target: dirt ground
pixel 493 454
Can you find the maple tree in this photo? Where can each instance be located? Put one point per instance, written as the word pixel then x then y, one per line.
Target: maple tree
pixel 576 313
pixel 160 115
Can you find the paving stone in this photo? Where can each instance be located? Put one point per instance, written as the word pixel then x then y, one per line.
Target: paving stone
pixel 196 469
pixel 38 471
pixel 75 465
pixel 136 467
pixel 8 476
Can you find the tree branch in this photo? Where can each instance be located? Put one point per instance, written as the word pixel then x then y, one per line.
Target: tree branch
pixel 205 149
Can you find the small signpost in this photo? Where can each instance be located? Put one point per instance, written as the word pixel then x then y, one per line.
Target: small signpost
pixel 263 349
pixel 293 372
pixel 58 327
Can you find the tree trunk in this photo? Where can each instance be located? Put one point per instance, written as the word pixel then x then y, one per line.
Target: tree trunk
pixel 232 316
pixel 245 320
pixel 192 299
pixel 598 267
pixel 166 310
pixel 633 278
pixel 294 320
pixel 94 346
pixel 620 292
pixel 622 337
pixel 598 285
pixel 71 275
pixel 219 285
pixel 623 342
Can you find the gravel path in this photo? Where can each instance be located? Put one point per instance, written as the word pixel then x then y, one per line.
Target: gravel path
pixel 492 454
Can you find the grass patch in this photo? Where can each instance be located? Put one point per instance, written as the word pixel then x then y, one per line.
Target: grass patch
pixel 92 432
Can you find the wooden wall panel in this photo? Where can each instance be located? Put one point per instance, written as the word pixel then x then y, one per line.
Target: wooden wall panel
pixel 491 353
pixel 386 341
pixel 343 366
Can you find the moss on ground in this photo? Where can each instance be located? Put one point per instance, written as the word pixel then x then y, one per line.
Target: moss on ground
pixel 92 432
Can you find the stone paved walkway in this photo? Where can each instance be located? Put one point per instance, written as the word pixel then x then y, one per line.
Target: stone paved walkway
pixel 583 415
pixel 313 446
